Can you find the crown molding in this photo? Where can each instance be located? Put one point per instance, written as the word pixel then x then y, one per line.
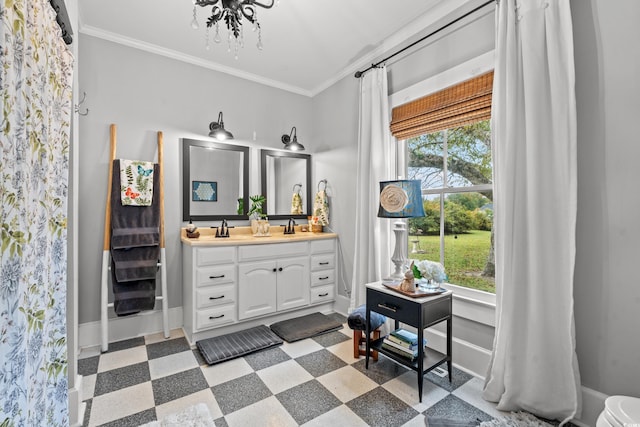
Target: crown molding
pixel 179 56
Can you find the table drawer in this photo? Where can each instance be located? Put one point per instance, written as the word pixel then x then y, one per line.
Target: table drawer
pixel 323 277
pixel 212 256
pixel 215 295
pixel 321 262
pixel 215 275
pixel 322 294
pixel 395 307
pixel 214 317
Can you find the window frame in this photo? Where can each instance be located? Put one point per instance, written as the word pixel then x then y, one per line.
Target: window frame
pixel 472 304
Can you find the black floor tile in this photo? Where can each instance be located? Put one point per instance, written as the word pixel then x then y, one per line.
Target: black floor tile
pixel 266 358
pixel 125 344
pixel 167 347
pixel 320 362
pixel 453 407
pixel 134 420
pixel 381 371
pixel 88 366
pixel 458 378
pixel 381 408
pixel 239 393
pixel 308 401
pixel 178 385
pixel 116 379
pixel 330 338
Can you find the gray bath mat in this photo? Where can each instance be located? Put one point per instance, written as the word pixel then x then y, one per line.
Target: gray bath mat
pixel 305 327
pixel 237 344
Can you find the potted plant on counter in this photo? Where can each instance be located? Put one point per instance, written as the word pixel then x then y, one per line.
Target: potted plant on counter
pixel 256 216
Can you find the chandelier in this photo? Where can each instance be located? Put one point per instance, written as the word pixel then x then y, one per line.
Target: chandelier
pixel 232 13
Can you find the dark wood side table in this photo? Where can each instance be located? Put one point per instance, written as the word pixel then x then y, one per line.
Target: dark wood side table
pixel 420 313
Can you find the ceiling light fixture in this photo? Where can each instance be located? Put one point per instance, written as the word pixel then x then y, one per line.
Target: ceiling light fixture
pixel 217 131
pixel 232 12
pixel 292 144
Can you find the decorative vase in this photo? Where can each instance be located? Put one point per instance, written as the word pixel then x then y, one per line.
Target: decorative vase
pixel 428 285
pixel 254 226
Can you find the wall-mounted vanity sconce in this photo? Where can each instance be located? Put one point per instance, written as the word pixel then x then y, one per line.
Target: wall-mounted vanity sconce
pixel 291 141
pixel 218 131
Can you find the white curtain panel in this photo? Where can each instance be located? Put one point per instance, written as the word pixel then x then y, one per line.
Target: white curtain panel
pixel 376 162
pixel 36 76
pixel 534 365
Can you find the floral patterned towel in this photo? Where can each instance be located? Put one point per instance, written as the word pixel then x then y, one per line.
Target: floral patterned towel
pixel 136 182
pixel 321 207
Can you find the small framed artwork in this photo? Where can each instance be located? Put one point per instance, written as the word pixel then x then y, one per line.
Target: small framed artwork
pixel 204 191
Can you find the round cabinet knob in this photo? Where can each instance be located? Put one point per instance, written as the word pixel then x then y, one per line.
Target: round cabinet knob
pixel 280 269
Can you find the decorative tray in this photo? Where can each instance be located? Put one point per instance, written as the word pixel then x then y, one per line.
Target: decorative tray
pixel 419 293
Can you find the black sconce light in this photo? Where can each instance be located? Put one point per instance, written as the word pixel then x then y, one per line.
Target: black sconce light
pixel 217 130
pixel 291 141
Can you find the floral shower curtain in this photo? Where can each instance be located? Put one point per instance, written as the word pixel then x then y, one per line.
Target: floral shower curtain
pixel 35 84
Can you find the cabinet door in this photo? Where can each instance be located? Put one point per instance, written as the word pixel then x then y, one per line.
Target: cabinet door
pixel 257 289
pixel 293 283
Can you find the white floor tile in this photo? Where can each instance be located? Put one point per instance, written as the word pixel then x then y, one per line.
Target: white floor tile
pixel 405 388
pixel 204 396
pixel 340 416
pixel 347 383
pixel 283 376
pixel 172 364
pixel 300 348
pixel 226 371
pixel 121 403
pixel 267 412
pixel 122 358
pixel 471 392
pixel 159 337
pixel 88 386
pixel 344 351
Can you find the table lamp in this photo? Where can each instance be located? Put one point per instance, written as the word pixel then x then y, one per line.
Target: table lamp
pixel 400 199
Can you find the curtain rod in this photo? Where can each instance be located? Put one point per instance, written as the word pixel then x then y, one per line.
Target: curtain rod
pixel 359 74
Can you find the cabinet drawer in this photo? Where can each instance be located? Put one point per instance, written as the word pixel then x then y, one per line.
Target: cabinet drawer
pixel 216 275
pixel 323 277
pixel 320 262
pixel 395 307
pixel 214 317
pixel 322 294
pixel 215 295
pixel 318 246
pixel 279 250
pixel 212 256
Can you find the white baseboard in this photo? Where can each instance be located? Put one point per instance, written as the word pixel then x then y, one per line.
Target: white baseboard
pixel 76 405
pixel 122 328
pixel 341 305
pixel 466 356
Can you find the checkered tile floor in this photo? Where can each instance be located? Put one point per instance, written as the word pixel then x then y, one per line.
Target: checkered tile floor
pixel 314 382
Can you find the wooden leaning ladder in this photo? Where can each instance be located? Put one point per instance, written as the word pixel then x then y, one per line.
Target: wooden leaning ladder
pixel 106 253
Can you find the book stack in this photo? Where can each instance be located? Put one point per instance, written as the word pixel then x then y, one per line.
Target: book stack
pixel 403 343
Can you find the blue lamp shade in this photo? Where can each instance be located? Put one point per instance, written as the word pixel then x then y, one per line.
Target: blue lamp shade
pixel 400 199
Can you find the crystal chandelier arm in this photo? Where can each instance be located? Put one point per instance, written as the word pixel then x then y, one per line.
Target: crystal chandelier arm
pixel 257 3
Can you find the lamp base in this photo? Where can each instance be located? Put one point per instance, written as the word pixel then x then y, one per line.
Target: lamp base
pixel 399 257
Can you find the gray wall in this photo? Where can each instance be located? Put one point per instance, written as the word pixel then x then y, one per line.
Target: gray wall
pixel 607 293
pixel 144 93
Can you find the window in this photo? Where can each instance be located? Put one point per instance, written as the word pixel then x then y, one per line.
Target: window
pixel 446 140
pixel 454 166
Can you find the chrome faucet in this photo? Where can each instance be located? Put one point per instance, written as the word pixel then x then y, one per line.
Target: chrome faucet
pixel 223 230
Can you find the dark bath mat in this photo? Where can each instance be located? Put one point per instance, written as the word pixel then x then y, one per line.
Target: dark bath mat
pixel 237 344
pixel 305 327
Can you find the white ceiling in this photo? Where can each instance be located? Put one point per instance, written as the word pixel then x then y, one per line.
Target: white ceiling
pixel 308 44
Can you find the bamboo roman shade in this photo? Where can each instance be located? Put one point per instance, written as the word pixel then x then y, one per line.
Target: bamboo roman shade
pixel 462 104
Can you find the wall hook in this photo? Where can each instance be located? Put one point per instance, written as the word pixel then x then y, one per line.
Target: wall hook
pixel 77 106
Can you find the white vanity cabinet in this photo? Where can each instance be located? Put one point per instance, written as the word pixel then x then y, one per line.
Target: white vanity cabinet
pixel 323 271
pixel 273 277
pixel 228 282
pixel 210 300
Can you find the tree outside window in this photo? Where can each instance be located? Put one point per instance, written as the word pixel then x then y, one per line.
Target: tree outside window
pixel 455 169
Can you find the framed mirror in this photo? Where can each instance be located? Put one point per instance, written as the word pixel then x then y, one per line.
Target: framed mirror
pixel 285 174
pixel 215 181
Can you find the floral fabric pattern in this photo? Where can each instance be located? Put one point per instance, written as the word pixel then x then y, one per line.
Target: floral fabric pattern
pixel 35 82
pixel 136 178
